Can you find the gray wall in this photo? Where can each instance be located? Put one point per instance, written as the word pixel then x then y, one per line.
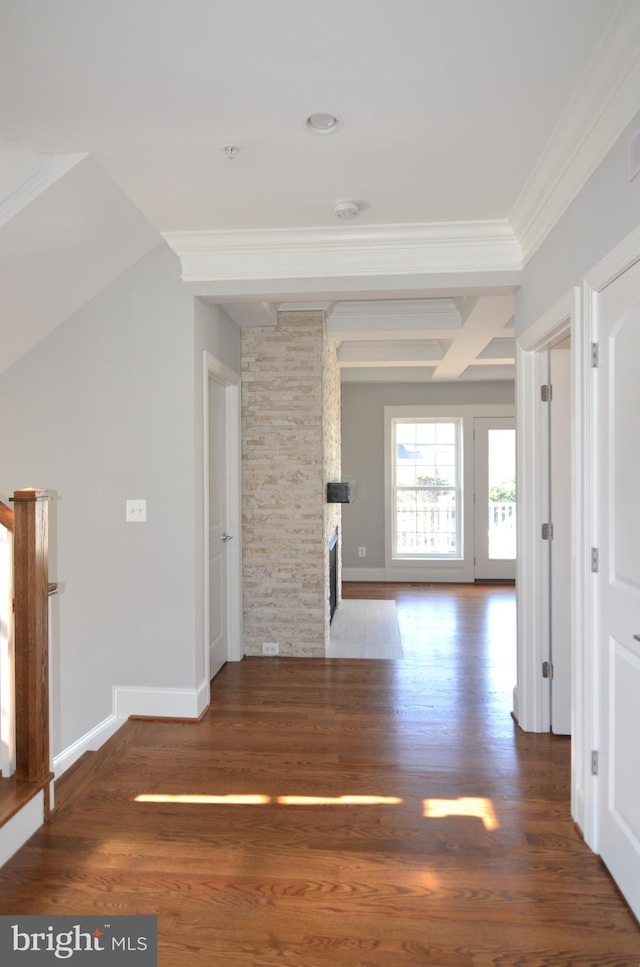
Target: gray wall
pixel 107 408
pixel 363 451
pixel 606 210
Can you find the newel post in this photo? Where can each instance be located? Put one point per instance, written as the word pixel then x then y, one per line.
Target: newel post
pixel 31 547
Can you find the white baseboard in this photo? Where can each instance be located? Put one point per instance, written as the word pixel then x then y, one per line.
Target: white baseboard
pixel 89 742
pixel 579 815
pixel 178 703
pixel 424 574
pixel 181 703
pixel 363 574
pixel 20 827
pixel 516 704
pixel 187 703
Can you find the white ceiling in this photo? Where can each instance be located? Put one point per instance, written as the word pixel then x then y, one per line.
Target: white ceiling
pixel 451 110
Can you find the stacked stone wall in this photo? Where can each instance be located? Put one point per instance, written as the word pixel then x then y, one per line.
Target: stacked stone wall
pixel 288 378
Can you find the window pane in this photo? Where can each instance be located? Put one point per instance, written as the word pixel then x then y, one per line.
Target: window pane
pixel 405 433
pixel 427 495
pixel 502 495
pixel 446 433
pixel 425 432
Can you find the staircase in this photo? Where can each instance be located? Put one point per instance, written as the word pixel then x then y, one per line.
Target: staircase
pixel 25 782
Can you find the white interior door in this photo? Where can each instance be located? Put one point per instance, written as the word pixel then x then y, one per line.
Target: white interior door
pixel 494 441
pixel 617 512
pixel 560 565
pixel 218 537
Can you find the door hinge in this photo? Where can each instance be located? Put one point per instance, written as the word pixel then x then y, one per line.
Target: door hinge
pixel 594 560
pixel 547 532
pixel 546 393
pixel 595 762
pixel 547 669
pixel 595 355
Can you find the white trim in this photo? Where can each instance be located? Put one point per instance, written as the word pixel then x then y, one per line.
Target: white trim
pixel 363 574
pixel 215 369
pixel 438 569
pixel 20 827
pixel 326 307
pixel 581 577
pixel 184 703
pixel 603 105
pixel 436 247
pixel 621 258
pixel 88 742
pixel 550 326
pixel 180 703
pixel 534 711
pixel 532 564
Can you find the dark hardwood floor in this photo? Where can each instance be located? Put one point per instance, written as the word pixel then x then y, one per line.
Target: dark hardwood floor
pixel 360 813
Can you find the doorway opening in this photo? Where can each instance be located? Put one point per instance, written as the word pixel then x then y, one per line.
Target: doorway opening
pixel 222 618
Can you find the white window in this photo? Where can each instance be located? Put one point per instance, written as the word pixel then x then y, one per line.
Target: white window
pixel 427 488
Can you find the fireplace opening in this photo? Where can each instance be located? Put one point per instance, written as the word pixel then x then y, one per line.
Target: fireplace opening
pixel 333 575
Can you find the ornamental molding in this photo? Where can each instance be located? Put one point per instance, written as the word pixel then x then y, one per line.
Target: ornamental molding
pixel 602 106
pixel 442 247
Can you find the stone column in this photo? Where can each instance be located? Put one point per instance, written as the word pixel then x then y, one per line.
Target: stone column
pixel 291 447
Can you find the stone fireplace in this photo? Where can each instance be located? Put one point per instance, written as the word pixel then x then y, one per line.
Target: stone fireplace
pixel 291 448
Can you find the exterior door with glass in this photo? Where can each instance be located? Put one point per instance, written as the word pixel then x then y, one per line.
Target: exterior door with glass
pixel 494 441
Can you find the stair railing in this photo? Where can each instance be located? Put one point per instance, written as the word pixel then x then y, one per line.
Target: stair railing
pixel 31 635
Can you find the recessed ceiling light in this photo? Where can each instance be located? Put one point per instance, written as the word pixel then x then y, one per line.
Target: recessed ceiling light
pixel 323 122
pixel 346 209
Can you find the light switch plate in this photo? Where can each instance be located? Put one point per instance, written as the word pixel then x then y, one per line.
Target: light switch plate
pixel 136 511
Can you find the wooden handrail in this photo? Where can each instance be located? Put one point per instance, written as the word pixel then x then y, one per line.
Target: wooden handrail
pixel 6 516
pixel 31 588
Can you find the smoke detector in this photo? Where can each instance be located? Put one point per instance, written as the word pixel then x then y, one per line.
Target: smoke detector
pixel 346 209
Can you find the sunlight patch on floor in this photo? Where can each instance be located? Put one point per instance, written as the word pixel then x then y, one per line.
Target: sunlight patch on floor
pixel 258 800
pixel 480 808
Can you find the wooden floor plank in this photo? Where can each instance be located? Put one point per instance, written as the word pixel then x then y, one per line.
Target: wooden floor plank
pixel 461 851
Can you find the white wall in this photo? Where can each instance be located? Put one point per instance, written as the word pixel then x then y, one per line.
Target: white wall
pixel 363 452
pixel 105 409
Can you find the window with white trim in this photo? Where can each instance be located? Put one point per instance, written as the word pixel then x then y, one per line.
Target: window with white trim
pixel 427 488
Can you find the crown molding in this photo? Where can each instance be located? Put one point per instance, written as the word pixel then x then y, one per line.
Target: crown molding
pixel 52 168
pixel 602 106
pixel 325 307
pixel 438 247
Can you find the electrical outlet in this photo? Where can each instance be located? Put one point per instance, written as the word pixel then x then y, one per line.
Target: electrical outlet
pixel 270 648
pixel 136 511
pixel 362 552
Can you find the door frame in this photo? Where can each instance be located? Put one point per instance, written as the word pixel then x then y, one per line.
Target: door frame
pixel 532 707
pixel 216 370
pixel 621 258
